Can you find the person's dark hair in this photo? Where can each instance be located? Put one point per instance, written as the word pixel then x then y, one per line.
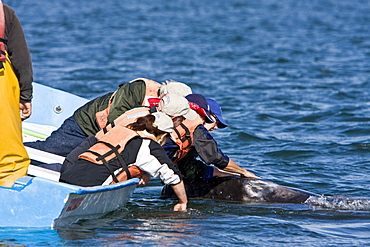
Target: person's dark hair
pixel 146 123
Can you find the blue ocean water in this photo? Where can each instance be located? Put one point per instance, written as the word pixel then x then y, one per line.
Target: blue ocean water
pixel 292 78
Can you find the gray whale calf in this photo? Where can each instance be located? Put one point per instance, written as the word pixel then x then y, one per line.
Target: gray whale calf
pixel 241 190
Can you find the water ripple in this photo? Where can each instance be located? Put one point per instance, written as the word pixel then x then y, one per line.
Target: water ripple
pixel 339 203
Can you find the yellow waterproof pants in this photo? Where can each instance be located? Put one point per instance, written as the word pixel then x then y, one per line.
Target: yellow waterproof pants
pixel 14 159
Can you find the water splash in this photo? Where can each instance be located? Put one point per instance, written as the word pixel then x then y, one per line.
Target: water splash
pixel 339 203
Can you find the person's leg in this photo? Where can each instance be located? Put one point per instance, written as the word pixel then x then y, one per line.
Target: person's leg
pixel 63 140
pixel 14 160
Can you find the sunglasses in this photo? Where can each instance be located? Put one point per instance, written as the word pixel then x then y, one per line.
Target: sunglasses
pixel 215 119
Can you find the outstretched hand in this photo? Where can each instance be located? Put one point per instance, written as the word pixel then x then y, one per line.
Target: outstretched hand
pixel 248 174
pixel 233 167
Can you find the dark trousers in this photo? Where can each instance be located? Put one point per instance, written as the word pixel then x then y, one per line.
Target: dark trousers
pixel 72 157
pixel 63 140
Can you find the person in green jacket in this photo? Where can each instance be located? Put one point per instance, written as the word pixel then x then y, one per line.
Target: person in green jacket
pixel 96 114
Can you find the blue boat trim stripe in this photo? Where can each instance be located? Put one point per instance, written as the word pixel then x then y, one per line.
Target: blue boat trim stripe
pixel 88 190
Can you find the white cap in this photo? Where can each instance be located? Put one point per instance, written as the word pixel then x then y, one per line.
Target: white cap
pixel 163 122
pixel 175 105
pixel 174 87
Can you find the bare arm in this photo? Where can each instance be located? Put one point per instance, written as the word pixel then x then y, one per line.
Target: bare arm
pixel 157 164
pixel 233 167
pixel 180 192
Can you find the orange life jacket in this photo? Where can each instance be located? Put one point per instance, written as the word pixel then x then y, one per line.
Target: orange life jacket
pixel 151 90
pixel 133 171
pixel 125 119
pixel 183 136
pixel 111 146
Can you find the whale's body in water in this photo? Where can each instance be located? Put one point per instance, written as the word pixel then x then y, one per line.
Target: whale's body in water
pixel 241 190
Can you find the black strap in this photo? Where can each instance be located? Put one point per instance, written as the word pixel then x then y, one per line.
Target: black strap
pixel 2 53
pixel 106 165
pixel 153 109
pixel 3 40
pixel 124 166
pixel 187 133
pixel 105 128
pixel 114 150
pixel 177 133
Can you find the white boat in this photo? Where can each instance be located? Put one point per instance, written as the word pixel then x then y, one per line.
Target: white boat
pixel 39 199
pixel 42 202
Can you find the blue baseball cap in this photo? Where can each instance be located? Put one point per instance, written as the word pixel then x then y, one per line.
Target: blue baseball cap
pixel 198 103
pixel 216 109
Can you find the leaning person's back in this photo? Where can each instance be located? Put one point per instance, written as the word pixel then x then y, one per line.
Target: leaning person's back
pixel 86 173
pixel 85 115
pixel 124 147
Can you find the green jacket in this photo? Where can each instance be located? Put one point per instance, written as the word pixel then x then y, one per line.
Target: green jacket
pixel 128 96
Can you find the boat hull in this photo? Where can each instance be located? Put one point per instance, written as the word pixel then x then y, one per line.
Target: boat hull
pixel 39 199
pixel 40 202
